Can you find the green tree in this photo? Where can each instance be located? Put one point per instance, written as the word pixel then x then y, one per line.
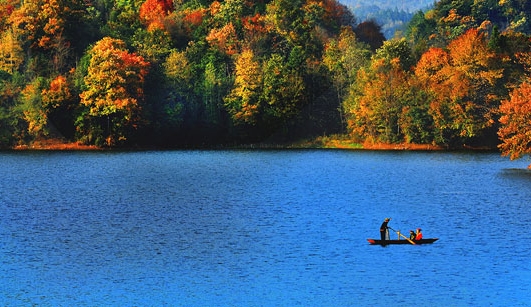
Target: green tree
pixel 122 20
pixel 415 122
pixel 343 58
pixel 286 19
pixel 397 49
pixel 283 91
pixel 178 74
pixel 35 113
pixel 419 31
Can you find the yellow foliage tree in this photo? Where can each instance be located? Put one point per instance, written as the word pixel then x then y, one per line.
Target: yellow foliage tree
pixel 243 100
pixel 114 86
pixel 11 53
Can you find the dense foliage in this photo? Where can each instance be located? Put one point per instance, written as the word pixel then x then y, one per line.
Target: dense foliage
pixel 190 73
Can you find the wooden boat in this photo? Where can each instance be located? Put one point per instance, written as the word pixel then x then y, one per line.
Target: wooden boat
pixel 390 242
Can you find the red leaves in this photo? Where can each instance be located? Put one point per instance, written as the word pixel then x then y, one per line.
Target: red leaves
pixel 153 13
pixel 58 92
pixel 195 17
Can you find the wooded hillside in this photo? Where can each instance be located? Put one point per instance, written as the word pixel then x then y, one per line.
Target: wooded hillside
pixel 201 73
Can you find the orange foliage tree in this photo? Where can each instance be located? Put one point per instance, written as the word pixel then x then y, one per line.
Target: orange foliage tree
pixel 58 93
pixel 224 39
pixel 375 110
pixel 114 87
pixel 43 26
pixel 515 129
pixel 192 19
pixel 153 12
pixel 463 85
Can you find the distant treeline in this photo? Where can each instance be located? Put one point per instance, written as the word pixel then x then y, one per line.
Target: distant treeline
pixel 393 16
pixel 191 73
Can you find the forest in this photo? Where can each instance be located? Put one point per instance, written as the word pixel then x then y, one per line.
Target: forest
pixel 137 73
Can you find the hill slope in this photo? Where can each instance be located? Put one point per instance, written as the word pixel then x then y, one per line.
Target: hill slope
pixel 391 15
pixel 408 6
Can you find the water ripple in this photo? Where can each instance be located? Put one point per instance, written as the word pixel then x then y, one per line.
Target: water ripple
pixel 276 228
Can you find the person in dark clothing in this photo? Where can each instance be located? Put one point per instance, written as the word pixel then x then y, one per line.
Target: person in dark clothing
pixel 412 235
pixel 384 231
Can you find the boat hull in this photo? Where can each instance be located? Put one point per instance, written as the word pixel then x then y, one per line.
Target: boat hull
pixel 391 242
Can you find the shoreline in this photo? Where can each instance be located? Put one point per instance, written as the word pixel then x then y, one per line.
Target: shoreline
pixel 59 145
pixel 55 145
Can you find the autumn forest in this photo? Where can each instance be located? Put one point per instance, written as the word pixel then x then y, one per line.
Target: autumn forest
pixel 209 73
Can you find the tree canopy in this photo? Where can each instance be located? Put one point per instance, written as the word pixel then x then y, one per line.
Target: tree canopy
pixel 204 73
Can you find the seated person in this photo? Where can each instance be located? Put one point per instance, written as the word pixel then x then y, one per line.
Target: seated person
pixel 419 234
pixel 412 235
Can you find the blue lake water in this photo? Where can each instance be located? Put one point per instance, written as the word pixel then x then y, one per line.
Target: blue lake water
pixel 262 228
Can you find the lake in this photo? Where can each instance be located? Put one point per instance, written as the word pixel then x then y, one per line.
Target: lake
pixel 262 228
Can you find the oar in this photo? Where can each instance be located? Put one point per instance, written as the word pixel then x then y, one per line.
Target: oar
pixel 408 239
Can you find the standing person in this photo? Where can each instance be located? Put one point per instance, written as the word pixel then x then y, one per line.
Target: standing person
pixel 418 236
pixel 412 235
pixel 384 230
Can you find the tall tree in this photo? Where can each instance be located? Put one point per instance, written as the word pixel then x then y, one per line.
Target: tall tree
pixel 375 105
pixel 343 58
pixel 11 52
pixel 114 89
pixel 32 107
pixel 243 102
pixel 283 93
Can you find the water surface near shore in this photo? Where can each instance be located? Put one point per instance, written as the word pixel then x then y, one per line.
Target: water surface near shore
pixel 262 228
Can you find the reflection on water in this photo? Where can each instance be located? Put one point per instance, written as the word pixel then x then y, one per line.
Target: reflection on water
pixel 255 228
pixel 517 173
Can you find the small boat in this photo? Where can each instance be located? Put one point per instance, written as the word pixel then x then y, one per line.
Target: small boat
pixel 389 242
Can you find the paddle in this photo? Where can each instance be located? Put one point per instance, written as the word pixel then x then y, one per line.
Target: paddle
pixel 408 239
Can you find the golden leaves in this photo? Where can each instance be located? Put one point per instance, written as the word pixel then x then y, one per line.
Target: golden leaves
pixel 115 78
